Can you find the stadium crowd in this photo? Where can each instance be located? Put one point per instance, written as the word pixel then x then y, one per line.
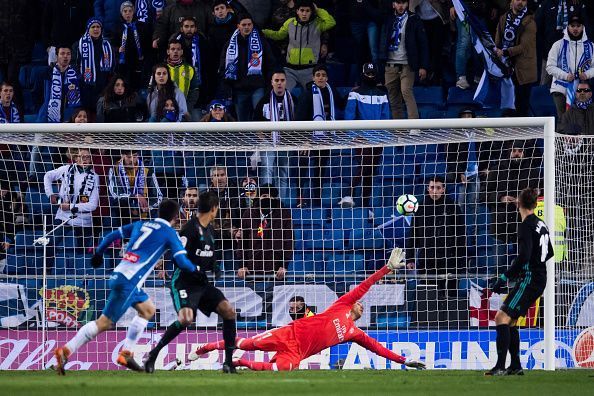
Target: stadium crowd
pixel 279 60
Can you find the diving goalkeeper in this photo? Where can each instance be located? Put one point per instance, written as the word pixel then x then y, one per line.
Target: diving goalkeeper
pixel 307 336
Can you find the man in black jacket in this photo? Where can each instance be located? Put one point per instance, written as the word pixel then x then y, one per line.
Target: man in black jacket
pixel 404 51
pixel 436 245
pixel 64 23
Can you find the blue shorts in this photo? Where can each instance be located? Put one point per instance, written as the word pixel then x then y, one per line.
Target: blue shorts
pixel 123 295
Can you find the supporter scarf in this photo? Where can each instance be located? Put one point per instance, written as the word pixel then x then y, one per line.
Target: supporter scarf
pixel 195 56
pixel 274 113
pixel 139 180
pixel 512 23
pixel 86 49
pixel 584 105
pixel 254 66
pixel 318 103
pixel 15 118
pixel 131 26
pixel 54 105
pixel 583 65
pixel 86 187
pixel 562 15
pixel 142 8
pixel 396 32
pixel 222 21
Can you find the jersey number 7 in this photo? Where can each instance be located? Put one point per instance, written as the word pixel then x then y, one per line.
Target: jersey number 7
pixel 146 231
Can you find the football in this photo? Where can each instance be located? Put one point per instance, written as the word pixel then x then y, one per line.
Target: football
pixel 407 204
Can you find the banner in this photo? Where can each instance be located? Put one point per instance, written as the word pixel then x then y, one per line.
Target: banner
pixel 484 304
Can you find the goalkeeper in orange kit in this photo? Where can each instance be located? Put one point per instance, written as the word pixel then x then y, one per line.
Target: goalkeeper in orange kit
pixel 307 336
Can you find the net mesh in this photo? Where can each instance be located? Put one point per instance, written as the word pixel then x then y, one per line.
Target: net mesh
pixel 336 225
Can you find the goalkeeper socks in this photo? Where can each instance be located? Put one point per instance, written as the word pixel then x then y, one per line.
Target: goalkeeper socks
pixel 84 335
pixel 171 332
pixel 229 333
pixel 514 347
pixel 135 330
pixel 503 335
pixel 256 366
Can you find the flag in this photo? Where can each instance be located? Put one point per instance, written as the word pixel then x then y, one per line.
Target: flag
pixel 496 88
pixel 484 304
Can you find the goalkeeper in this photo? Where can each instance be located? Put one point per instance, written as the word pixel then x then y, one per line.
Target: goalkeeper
pixel 307 336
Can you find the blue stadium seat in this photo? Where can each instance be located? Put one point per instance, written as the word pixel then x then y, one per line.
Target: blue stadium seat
pixel 368 238
pixel 29 262
pixel 306 263
pixel 429 95
pixel 331 194
pixel 37 202
pixel 344 262
pixel 350 219
pixel 310 218
pixel 541 102
pixel 460 97
pixel 392 320
pixel 337 73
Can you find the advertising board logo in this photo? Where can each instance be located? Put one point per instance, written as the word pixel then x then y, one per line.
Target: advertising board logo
pixel 64 304
pixel 583 349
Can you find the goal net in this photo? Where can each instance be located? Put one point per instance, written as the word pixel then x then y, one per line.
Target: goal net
pixel 306 210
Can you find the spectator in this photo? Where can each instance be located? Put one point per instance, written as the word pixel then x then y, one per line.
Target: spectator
pixel 174 12
pixel 189 206
pixel 161 89
pixel 265 237
pixel 223 23
pixel 217 112
pixel 246 63
pixel 579 119
pixel 62 89
pixel 131 38
pixel 277 106
pixel 516 40
pixel 9 113
pixel 434 14
pixel 317 103
pixel 108 11
pixel 405 53
pixel 133 188
pixel 169 113
pixel 79 116
pixel 182 73
pixel 77 197
pixel 552 17
pixel 63 24
pixel 304 32
pixel 283 12
pixel 298 308
pixel 366 19
pixel 95 61
pixel 19 21
pixel 119 103
pixel 503 186
pixel 8 203
pixel 569 60
pixel 436 244
pixel 367 102
pixel 228 220
pixel 249 192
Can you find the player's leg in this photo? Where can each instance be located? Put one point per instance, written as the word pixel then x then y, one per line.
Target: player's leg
pixel 269 341
pixel 86 333
pixel 228 314
pixel 502 321
pixel 282 362
pixel 515 367
pixel 146 309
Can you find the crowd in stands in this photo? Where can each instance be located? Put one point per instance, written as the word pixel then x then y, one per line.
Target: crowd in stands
pixel 279 60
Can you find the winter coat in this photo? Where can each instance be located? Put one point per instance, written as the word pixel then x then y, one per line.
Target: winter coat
pixel 64 21
pixel 415 41
pixel 575 50
pixel 173 14
pixel 304 38
pixel 523 53
pixel 577 121
pixel 442 7
pixel 109 12
pixel 368 103
pixel 18 23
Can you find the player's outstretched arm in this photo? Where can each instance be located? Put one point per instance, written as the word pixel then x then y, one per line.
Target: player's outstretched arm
pixel 396 261
pixel 372 345
pixel 120 233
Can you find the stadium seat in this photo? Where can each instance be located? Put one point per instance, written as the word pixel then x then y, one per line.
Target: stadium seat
pixel 344 262
pixel 306 263
pixel 460 97
pixel 368 238
pixel 429 95
pixel 337 73
pixel 541 102
pixel 350 219
pixel 310 218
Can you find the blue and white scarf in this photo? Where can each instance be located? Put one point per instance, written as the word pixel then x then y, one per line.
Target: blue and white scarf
pixel 12 118
pixel 396 32
pixel 255 60
pixel 86 49
pixel 195 56
pixel 142 8
pixel 318 103
pixel 288 111
pixel 512 24
pixel 131 26
pixel 584 65
pixel 562 15
pixel 583 105
pixel 139 180
pixel 71 84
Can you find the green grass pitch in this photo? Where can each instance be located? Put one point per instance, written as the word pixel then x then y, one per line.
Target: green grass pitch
pixel 325 383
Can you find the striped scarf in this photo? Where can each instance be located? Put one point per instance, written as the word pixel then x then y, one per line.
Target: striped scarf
pixel 583 65
pixel 70 83
pixel 139 179
pixel 512 24
pixel 131 26
pixel 86 50
pixel 255 53
pixel 142 8
pixel 12 118
pixel 288 109
pixel 396 32
pixel 319 114
pixel 562 15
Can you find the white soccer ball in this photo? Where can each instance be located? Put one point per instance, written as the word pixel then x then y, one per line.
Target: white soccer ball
pixel 407 204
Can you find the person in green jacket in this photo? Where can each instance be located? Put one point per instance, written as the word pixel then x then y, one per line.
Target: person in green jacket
pixel 305 40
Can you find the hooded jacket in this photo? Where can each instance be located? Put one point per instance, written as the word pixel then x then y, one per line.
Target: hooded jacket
pixel 575 50
pixel 304 38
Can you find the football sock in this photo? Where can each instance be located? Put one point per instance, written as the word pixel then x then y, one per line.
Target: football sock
pixel 514 347
pixel 170 333
pixel 256 366
pixel 84 335
pixel 135 330
pixel 503 336
pixel 229 333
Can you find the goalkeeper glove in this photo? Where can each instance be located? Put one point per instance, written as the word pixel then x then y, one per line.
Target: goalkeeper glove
pixel 498 284
pixel 97 260
pixel 415 364
pixel 396 260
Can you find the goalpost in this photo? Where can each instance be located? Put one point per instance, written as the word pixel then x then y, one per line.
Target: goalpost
pixel 439 308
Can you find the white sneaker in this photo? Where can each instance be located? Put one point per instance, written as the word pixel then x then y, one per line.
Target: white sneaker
pixel 347 202
pixel 462 83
